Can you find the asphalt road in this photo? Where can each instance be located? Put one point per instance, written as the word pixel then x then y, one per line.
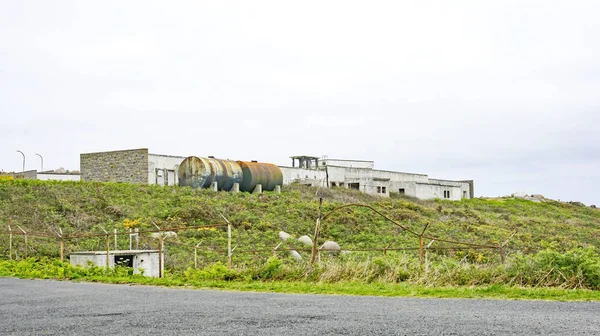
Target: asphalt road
pixel 42 307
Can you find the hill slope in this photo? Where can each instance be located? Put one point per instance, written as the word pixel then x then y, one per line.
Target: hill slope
pixel 82 207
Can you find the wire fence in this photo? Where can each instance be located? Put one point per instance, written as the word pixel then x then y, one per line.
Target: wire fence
pixel 21 243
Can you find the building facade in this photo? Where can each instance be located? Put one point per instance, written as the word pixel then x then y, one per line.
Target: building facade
pixel 362 175
pixel 131 166
pixel 139 166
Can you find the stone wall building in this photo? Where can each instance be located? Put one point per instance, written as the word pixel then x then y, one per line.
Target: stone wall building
pixel 132 166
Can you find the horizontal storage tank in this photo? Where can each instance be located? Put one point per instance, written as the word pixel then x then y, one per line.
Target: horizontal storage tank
pixel 198 172
pixel 255 173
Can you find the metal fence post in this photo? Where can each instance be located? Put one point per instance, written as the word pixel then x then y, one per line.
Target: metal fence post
pixel 115 234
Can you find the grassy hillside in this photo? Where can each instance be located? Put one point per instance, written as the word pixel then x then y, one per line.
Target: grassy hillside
pixel 554 244
pixel 80 207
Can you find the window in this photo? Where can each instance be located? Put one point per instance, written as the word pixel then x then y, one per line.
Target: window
pixel 446 193
pixel 378 189
pixel 333 184
pixel 383 190
pixel 464 194
pixel 354 186
pixel 160 176
pixel 401 191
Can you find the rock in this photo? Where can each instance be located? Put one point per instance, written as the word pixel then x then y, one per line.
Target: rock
pixel 593 206
pixel 296 255
pixel 166 234
pixel 305 240
pixel 331 247
pixel 283 236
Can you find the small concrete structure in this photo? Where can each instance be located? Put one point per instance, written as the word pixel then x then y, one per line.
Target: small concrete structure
pixel 138 259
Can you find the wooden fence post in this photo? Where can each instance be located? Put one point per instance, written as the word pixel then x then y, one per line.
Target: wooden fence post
pixel 9 243
pixel 316 238
pixel 421 244
pixel 62 249
pixel 196 254
pixel 25 236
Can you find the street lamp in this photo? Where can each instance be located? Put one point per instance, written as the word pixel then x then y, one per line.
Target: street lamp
pixel 23 159
pixel 41 169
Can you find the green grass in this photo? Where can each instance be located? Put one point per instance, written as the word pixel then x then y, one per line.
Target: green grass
pixel 52 269
pixel 555 244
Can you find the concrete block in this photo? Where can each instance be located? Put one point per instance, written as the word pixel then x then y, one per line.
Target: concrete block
pixel 257 189
pixel 214 186
pixel 235 188
pixel 278 189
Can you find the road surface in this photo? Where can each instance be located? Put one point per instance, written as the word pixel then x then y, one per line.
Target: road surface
pixel 44 307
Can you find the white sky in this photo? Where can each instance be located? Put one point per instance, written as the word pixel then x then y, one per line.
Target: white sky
pixel 503 92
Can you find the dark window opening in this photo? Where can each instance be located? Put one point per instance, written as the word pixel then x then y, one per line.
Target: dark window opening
pixel 464 194
pixel 401 191
pixel 354 186
pixel 124 260
pixel 379 190
pixel 333 184
pixel 383 190
pixel 446 194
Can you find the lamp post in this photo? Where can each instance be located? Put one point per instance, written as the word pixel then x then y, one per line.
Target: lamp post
pixel 42 158
pixel 23 159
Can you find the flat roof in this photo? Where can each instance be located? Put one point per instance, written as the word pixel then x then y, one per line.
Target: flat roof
pixel 114 252
pixel 349 160
pixel 118 150
pixel 171 156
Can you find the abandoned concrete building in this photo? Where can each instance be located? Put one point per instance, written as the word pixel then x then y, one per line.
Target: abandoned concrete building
pixel 362 175
pixel 139 166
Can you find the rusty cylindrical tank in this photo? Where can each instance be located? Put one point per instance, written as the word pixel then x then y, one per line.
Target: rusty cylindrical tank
pixel 254 173
pixel 198 172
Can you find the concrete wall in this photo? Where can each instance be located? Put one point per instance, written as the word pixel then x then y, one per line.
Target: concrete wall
pixel 349 163
pixel 148 260
pixel 58 177
pixel 162 169
pixel 26 175
pixel 410 188
pixel 381 182
pixel 116 166
pixel 430 191
pixel 306 176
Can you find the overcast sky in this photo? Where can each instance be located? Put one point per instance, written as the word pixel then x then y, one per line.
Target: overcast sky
pixel 503 92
